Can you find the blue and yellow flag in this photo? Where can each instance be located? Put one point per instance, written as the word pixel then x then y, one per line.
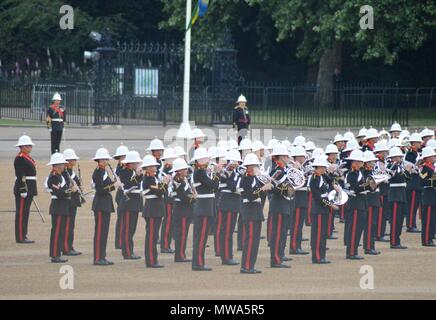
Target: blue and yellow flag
pixel 199 11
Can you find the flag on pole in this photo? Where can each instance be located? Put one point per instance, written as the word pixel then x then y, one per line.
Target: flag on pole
pixel 199 11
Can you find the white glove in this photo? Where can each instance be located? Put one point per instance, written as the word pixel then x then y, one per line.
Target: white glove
pixel 23 195
pixel 49 130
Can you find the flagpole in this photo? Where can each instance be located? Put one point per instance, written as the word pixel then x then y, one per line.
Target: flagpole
pixel 185 129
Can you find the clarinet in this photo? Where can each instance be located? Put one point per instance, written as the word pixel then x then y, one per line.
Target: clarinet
pixel 73 183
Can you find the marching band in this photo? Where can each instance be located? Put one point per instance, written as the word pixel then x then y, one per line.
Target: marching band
pixel 378 180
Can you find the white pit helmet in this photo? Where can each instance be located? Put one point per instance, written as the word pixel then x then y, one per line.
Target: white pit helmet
pixel 57 158
pixel 132 157
pixel 169 153
pixel 395 152
pixel 395 127
pixel 24 140
pixel 369 156
pixel 257 145
pixel 180 152
pixel 197 133
pixel 428 152
pixel 149 161
pixel 349 136
pixel 233 156
pixel 241 98
pixel 102 154
pixel 69 154
pixel 200 153
pixel 299 140
pixel 279 150
pixel 309 146
pixel 331 148
pixel 179 164
pixel 251 159
pixel 298 151
pixel 320 161
pixel 56 97
pixel 156 144
pixel 356 155
pixel 245 144
pixel 121 151
pixel 362 133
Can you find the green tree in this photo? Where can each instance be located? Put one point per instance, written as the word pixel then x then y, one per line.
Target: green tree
pixel 29 27
pixel 323 28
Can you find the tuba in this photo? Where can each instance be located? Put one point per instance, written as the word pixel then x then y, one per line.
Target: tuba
pixel 338 198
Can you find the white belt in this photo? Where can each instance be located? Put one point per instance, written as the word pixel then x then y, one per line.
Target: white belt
pixel 222 185
pixel 134 191
pixel 177 200
pixel 302 189
pixel 57 120
pixel 208 195
pixel 29 177
pixel 287 198
pixel 229 191
pixel 364 192
pixel 54 197
pixel 197 184
pixel 396 185
pixel 324 195
pixel 151 197
pixel 172 194
pixel 247 201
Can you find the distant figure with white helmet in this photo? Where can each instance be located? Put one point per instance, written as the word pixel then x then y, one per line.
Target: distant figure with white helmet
pixel 119 156
pixel 400 173
pixel 102 205
pixel 428 178
pixel 56 118
pixel 206 182
pixel 76 201
pixel 381 217
pixel 414 188
pixel 24 187
pixel 130 178
pixel 60 190
pixel 153 189
pixel 166 238
pixel 185 197
pixel 251 211
pixel 241 118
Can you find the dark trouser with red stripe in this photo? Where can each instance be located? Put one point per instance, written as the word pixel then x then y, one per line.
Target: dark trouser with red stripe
pixel 251 244
pixel 369 233
pixel 217 233
pixel 22 211
pixel 297 222
pixel 69 230
pixel 354 234
pixel 241 232
pixel 118 230
pixel 101 231
pixel 166 233
pixel 226 234
pixel 269 228
pixel 151 234
pixel 428 217
pixel 331 223
pixel 413 203
pixel 201 227
pixel 381 218
pixel 181 230
pixel 56 137
pixel 318 236
pixel 130 222
pixel 396 221
pixel 342 213
pixel 278 237
pixel 308 219
pixel 57 234
pixel 348 212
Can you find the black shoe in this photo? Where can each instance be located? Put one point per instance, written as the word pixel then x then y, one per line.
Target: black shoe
pixel 262 237
pixel 72 253
pixel 26 241
pixel 298 252
pixel 230 262
pixel 304 239
pixel 198 268
pixel 58 260
pixel 399 246
pixel 182 260
pixel 251 271
pixel 356 257
pixel 372 252
pixel 413 230
pixel 431 244
pixel 322 261
pixel 109 262
pixel 257 271
pixel 382 239
pixel 155 266
pixel 169 250
pixel 286 259
pixel 132 257
pixel 239 249
pixel 102 262
pixel 280 266
pixel 332 238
